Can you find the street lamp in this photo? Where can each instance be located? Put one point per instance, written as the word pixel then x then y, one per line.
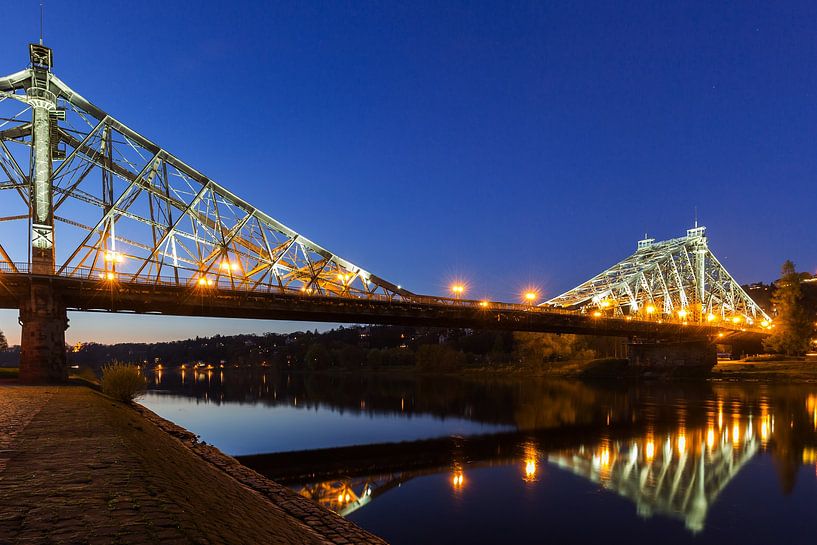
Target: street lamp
pixel 530 296
pixel 457 290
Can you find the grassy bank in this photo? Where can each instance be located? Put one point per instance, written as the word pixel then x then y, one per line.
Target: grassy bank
pixel 767 370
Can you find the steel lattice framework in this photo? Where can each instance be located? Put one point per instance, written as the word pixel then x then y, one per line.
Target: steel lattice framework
pixel 149 217
pixel 677 278
pixel 131 213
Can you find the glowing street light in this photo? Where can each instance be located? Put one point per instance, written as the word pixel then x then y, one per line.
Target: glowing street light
pixel 649 450
pixel 227 265
pixel 530 296
pixel 650 309
pixel 682 314
pixel 113 257
pixel 458 290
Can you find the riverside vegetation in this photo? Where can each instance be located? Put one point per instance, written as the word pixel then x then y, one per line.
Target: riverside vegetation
pixel 123 382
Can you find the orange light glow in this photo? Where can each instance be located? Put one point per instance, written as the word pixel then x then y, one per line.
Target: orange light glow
pixel 458 479
pixel 530 296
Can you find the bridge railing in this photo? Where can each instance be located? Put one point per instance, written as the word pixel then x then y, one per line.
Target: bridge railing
pixel 227 283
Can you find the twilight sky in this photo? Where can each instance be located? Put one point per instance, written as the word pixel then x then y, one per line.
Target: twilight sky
pixel 508 144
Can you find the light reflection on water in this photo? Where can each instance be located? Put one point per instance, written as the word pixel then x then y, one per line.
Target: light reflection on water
pixel 677 463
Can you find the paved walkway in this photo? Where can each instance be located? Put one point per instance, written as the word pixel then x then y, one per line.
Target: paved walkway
pixel 75 467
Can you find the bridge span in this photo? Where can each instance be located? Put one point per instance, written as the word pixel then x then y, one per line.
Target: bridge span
pixel 141 231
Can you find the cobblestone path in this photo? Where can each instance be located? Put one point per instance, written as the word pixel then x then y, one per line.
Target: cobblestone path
pixel 76 467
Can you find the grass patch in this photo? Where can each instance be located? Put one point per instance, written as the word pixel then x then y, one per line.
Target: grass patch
pixel 9 372
pixel 771 357
pixel 123 382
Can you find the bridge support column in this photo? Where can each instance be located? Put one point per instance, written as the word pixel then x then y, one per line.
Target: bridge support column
pixel 694 357
pixel 44 321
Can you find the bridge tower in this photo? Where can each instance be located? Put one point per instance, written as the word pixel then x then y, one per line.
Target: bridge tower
pixel 42 316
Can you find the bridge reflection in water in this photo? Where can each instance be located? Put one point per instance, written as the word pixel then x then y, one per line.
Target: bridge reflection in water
pixel 671 450
pixel 677 473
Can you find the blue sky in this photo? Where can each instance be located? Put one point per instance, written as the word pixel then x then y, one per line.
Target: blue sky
pixel 505 143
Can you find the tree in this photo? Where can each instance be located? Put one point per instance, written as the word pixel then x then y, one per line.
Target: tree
pixel 792 325
pixel 537 349
pixel 439 357
pixel 318 356
pixel 3 342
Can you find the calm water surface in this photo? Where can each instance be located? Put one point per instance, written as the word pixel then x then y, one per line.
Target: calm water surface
pixel 520 460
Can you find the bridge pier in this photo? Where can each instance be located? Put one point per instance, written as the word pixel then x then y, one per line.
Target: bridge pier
pixel 688 357
pixel 44 320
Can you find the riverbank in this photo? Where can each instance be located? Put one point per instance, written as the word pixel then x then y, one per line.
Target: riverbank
pixel 773 371
pixel 76 467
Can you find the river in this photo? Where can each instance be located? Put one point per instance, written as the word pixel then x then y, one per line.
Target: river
pixel 519 460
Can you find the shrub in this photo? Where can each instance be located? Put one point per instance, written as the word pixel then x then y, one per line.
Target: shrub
pixel 123 382
pixel 436 357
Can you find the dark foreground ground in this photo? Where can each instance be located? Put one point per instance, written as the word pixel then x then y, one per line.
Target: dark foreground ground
pixel 76 467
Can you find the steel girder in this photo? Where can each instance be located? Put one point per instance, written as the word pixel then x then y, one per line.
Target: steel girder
pixel 675 278
pixel 129 209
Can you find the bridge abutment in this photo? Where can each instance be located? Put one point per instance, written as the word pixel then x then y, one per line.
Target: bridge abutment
pixel 44 320
pixel 686 357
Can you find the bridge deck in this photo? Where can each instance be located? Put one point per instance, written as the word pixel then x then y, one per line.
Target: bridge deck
pixel 87 294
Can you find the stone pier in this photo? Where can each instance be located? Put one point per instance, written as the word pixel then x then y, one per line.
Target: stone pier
pixel 692 357
pixel 44 320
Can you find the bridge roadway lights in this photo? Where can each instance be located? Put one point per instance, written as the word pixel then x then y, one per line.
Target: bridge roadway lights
pixel 685 357
pixel 44 320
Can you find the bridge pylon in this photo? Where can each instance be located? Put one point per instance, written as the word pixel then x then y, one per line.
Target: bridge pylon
pixel 44 319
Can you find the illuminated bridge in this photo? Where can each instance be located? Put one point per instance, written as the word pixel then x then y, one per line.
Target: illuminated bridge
pixel 97 217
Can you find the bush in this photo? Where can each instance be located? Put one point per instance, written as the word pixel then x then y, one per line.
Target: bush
pixel 123 382
pixel 436 357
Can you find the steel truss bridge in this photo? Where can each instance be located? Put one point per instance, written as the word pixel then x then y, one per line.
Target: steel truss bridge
pixel 97 216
